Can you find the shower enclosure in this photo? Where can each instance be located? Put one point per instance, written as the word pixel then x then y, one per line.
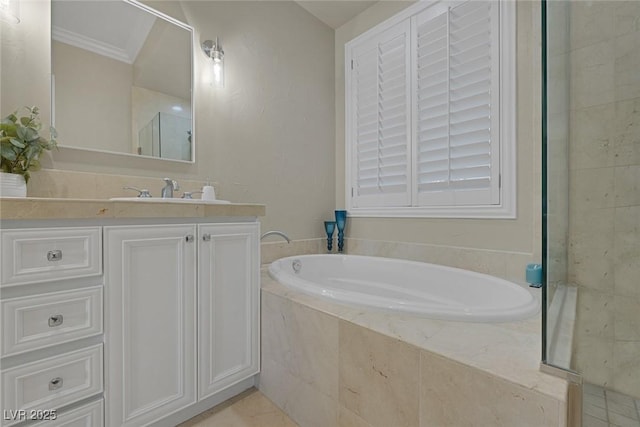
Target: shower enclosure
pixel 166 136
pixel 591 219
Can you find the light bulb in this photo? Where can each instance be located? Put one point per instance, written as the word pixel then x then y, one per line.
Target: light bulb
pixel 217 57
pixel 217 74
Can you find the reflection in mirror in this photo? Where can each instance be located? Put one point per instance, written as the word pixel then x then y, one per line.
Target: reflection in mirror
pixel 122 79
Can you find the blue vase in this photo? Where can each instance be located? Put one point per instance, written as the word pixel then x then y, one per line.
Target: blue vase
pixel 341 223
pixel 329 226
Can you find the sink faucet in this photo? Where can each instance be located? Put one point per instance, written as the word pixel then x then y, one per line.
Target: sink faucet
pixel 168 189
pixel 278 233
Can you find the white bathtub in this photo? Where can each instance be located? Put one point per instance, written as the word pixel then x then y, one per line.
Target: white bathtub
pixel 418 288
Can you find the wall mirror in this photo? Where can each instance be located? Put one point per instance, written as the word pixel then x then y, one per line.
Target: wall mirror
pixel 122 79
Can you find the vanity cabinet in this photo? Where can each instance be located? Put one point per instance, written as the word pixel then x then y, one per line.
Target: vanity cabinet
pixel 51 301
pixel 181 316
pixel 125 313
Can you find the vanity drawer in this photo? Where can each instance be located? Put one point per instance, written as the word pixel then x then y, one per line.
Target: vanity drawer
pixel 90 415
pixel 48 254
pixel 30 323
pixel 54 382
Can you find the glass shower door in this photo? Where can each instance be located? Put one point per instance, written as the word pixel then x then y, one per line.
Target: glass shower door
pixel 591 216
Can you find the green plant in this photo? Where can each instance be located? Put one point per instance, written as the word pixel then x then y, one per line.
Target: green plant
pixel 21 143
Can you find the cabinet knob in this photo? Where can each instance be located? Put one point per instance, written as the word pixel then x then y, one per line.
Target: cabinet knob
pixel 55 255
pixel 56 383
pixel 55 320
pixel 206 237
pixel 189 238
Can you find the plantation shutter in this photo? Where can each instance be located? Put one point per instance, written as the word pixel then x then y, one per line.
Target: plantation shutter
pixel 455 105
pixel 380 105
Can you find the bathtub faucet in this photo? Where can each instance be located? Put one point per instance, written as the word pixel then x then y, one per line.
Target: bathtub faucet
pixel 278 233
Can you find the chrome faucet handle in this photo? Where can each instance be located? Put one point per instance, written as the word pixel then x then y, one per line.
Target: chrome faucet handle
pixel 142 192
pixel 189 194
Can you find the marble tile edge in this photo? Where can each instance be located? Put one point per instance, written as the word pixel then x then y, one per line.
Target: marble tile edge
pixel 436 246
pixel 506 381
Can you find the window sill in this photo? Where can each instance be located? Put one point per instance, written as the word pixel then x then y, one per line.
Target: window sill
pixel 445 212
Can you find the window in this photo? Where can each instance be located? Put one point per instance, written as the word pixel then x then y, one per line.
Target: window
pixel 430 113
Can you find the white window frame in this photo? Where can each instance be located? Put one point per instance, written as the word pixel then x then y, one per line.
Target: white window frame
pixel 506 208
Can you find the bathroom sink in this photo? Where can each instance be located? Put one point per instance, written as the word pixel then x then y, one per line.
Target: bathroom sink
pixel 173 200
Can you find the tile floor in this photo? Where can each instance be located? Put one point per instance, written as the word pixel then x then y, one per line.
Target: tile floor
pixel 606 408
pixel 249 409
pixel 601 408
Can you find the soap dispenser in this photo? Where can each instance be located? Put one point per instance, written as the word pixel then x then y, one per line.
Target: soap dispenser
pixel 208 192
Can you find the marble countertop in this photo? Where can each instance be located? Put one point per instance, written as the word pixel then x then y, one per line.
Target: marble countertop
pixel 52 208
pixel 511 351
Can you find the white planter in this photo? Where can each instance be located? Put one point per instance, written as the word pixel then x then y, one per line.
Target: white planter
pixel 12 185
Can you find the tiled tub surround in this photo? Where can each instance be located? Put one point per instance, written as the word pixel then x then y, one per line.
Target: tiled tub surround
pixel 503 264
pixel 273 250
pixel 328 365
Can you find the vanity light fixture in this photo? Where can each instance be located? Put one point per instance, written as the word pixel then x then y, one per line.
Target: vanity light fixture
pixel 214 51
pixel 10 11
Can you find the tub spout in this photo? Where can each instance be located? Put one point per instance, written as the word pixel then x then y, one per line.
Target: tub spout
pixel 278 233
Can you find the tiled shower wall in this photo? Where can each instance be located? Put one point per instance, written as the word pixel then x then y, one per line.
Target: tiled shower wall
pixel 557 146
pixel 604 213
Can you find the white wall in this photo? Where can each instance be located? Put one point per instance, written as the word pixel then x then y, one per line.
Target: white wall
pixel 267 137
pixel 24 60
pixel 102 119
pixel 166 50
pixel 522 235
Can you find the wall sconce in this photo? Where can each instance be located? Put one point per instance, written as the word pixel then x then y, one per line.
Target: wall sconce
pixel 215 52
pixel 10 11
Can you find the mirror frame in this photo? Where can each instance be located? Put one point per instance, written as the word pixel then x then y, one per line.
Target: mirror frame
pixel 174 21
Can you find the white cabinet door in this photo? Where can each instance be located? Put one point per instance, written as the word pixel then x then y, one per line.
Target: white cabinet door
pixel 150 322
pixel 228 305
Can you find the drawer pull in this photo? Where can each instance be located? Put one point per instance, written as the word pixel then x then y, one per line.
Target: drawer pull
pixel 206 237
pixel 55 383
pixel 54 255
pixel 189 238
pixel 55 320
